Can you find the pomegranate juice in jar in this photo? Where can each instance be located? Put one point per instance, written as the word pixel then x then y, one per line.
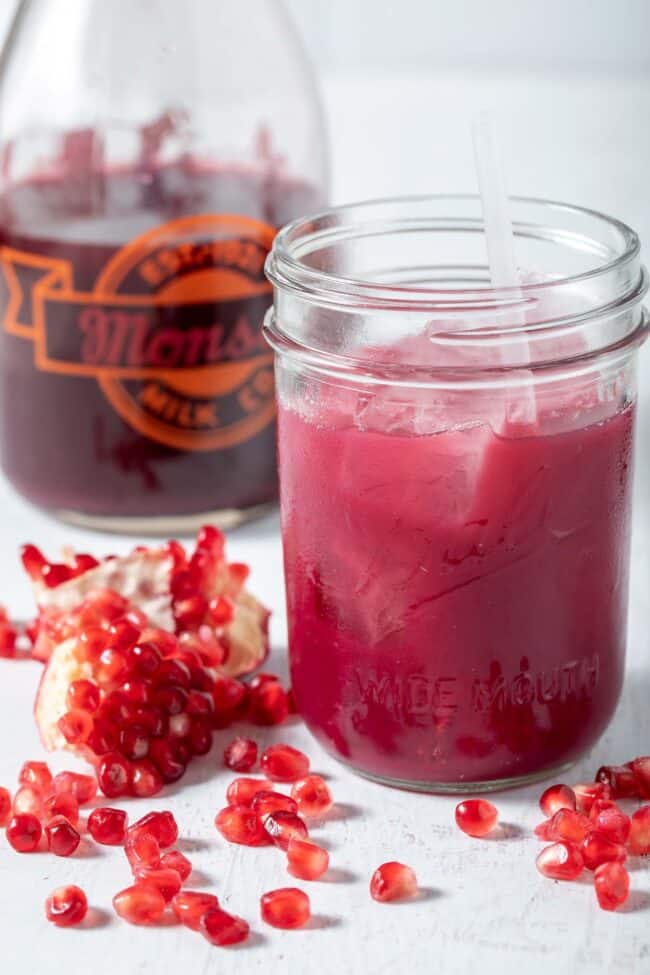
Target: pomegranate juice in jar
pixel 455 479
pixel 141 186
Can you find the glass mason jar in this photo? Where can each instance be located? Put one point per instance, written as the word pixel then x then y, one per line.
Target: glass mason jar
pixel 149 150
pixel 455 481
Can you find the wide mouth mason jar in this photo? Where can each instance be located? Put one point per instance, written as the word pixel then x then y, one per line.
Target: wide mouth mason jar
pixel 455 479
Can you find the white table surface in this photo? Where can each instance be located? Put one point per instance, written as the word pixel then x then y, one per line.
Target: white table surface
pixel 483 907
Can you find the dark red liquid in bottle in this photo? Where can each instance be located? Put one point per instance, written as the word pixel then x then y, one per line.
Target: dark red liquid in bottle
pixel 135 380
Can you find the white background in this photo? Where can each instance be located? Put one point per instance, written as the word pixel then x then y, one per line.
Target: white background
pixel 571 85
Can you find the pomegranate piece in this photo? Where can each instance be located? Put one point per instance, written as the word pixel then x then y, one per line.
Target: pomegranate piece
pixel 37 775
pixel 641 768
pixel 240 755
pixel 241 792
pixel 175 860
pixel 306 860
pixel 268 704
pixel 83 695
pixel 393 881
pixel 24 832
pixel 287 908
pixel 639 840
pixel 612 884
pixel 63 804
pixel 113 775
pixel 611 822
pixel 62 838
pixel 139 904
pixel 270 802
pixel 142 849
pixel 189 906
pixel 162 825
pixel 66 906
pixel 221 928
pixel 28 800
pixel 167 881
pixel 312 795
pixel 282 763
pixel 620 779
pixel 5 806
pixel 560 861
pixel 587 792
pixel 146 780
pixel 283 826
pixel 108 826
pixel 239 824
pixel 557 797
pixel 476 817
pixel 597 848
pixel 82 787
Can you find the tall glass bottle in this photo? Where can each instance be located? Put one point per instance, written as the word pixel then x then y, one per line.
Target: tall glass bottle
pixel 149 150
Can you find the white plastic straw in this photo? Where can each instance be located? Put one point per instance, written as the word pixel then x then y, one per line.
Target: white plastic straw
pixel 500 245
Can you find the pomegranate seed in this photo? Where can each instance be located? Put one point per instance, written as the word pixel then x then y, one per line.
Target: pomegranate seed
pixel 134 742
pixel 75 726
pixel 221 928
pixel 142 849
pixel 641 769
pixel 240 755
pixel 393 881
pixel 597 849
pixel 63 804
pixel 139 904
pixel 476 817
pixel 55 574
pixel 312 795
pixel 640 832
pixel 164 754
pixel 544 831
pixel 189 906
pixel 37 775
pixel 84 562
pixel 557 797
pixel 62 838
pixel 66 906
pixel 144 659
pixel 241 792
pixel 200 737
pixel 286 908
pixel 111 668
pixel 306 860
pixel 587 792
pixel 28 800
pixel 268 704
pixel 146 780
pixel 199 704
pixel 612 823
pixel 113 774
pixel 282 763
pixel 221 610
pixel 33 562
pixel 82 695
pixel 175 860
pixel 167 881
pixel 161 825
pixel 175 673
pixel 108 826
pixel 5 806
pixel 270 802
pixel 570 826
pixel 82 787
pixel 24 832
pixel 283 826
pixel 238 824
pixel 620 779
pixel 560 861
pixel 612 883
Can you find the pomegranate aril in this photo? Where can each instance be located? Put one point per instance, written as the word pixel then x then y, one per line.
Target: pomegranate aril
pixel 570 826
pixel 620 779
pixel 24 832
pixel 55 574
pixel 37 775
pixel 286 908
pixel 111 668
pixel 146 780
pixel 83 695
pixel 221 928
pixel 138 692
pixel 189 906
pixel 75 726
pixel 242 791
pixel 283 826
pixel 639 840
pixel 544 831
pixel 199 704
pixel 170 700
pixel 139 904
pixel 144 660
pixel 62 838
pixel 200 737
pixel 230 697
pixel 312 795
pixel 134 742
pixel 6 806
pixel 306 860
pixel 282 763
pixel 33 562
pixel 221 610
pixel 28 800
pixel 612 884
pixel 175 673
pixel 239 824
pixel 393 881
pixel 82 787
pixel 587 792
pixel 63 804
pixel 268 704
pixel 641 769
pixel 597 848
pixel 476 817
pixel 66 906
pixel 560 861
pixel 142 849
pixel 161 825
pixel 612 823
pixel 113 775
pixel 108 826
pixel 167 881
pixel 557 797
pixel 264 803
pixel 175 860
pixel 164 754
pixel 83 562
pixel 240 755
